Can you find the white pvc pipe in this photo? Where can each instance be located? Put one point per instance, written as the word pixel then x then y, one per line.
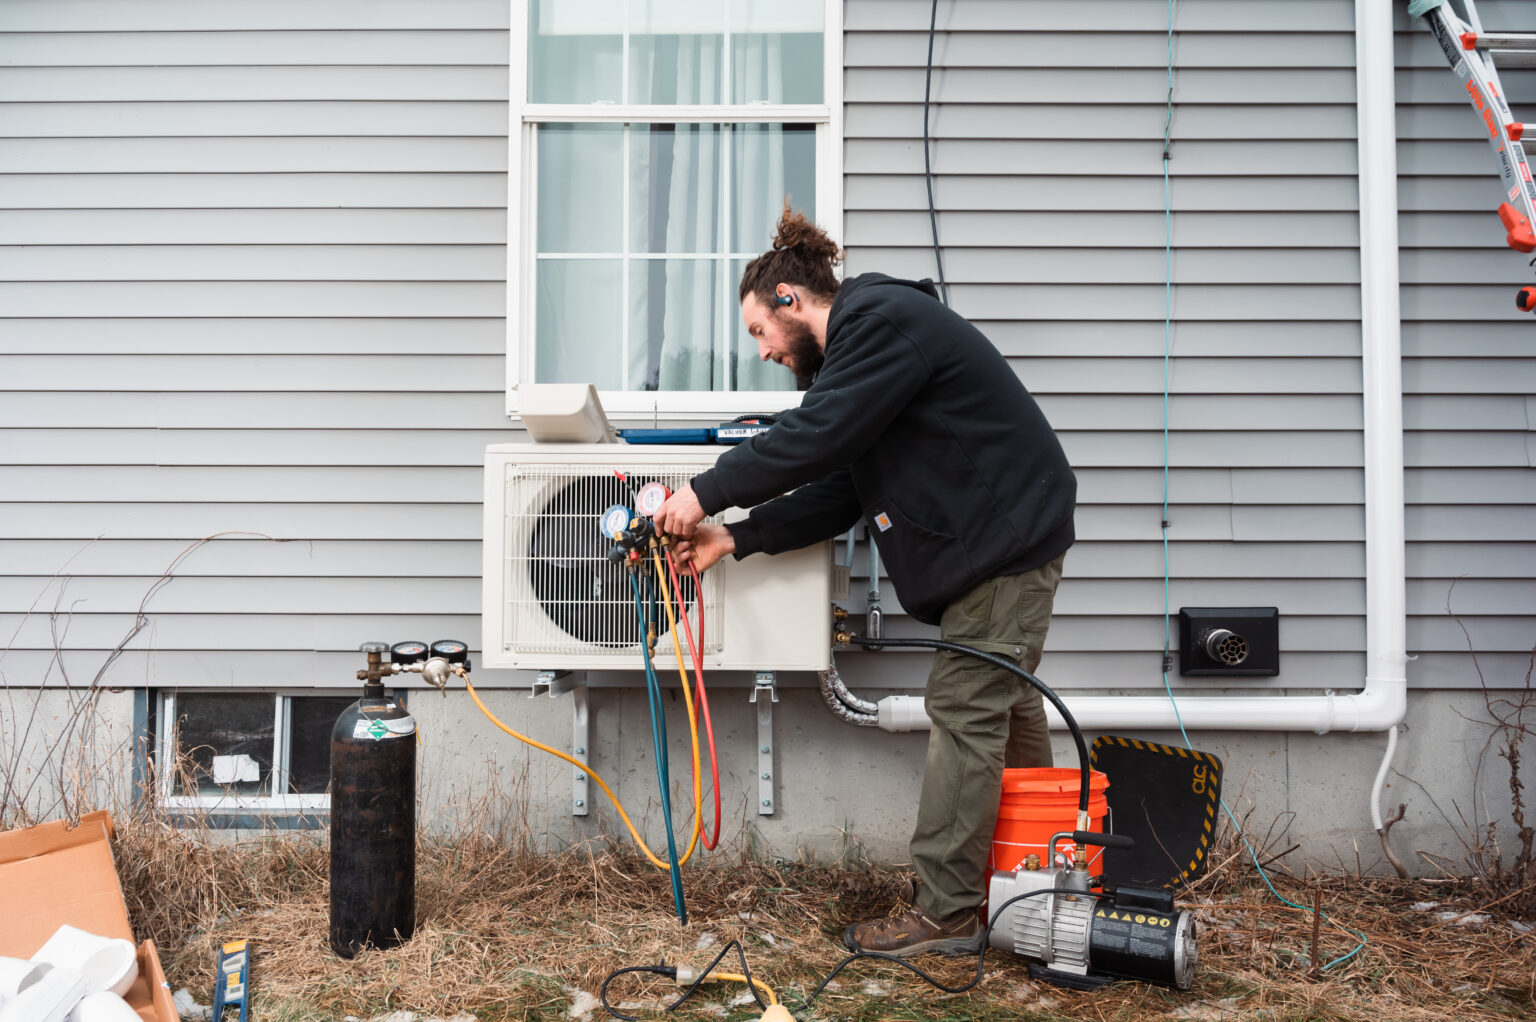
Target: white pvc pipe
pixel 1383 700
pixel 1381 780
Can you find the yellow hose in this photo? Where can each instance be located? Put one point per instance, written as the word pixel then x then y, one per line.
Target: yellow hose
pixel 693 732
pixel 693 719
pixel 578 764
pixel 737 977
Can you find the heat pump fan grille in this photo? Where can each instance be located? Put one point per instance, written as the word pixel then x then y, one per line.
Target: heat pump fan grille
pixel 565 595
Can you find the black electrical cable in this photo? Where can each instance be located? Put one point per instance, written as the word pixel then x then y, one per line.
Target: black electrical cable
pixel 670 971
pixel 986 932
pixel 1008 665
pixel 981 957
pixel 933 216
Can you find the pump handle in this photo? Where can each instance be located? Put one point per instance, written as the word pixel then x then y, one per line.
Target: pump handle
pixel 1088 837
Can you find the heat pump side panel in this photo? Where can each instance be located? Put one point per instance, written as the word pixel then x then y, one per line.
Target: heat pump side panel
pixel 777 609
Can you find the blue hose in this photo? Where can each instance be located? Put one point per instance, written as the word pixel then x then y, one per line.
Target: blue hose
pixel 659 740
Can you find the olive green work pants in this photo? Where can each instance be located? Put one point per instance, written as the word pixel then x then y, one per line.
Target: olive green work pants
pixel 984 718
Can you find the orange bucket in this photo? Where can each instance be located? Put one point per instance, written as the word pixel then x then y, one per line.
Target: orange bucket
pixel 1041 801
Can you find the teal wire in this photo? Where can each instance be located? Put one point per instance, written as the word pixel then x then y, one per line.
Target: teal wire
pixel 659 740
pixel 1167 568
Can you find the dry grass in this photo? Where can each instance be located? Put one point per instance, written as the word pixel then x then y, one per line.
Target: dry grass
pixel 508 934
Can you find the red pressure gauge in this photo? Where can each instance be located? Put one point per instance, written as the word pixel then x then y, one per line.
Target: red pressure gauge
pixel 650 498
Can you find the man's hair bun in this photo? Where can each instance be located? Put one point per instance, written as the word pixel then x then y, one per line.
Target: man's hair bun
pixel 794 231
pixel 802 255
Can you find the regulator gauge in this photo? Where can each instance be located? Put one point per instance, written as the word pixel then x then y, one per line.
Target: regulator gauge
pixel 650 498
pixel 615 520
pixel 407 652
pixel 451 650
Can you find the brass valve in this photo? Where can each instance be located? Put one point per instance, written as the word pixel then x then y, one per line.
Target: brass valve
pixel 841 636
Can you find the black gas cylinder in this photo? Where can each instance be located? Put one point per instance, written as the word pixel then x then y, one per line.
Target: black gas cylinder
pixel 373 823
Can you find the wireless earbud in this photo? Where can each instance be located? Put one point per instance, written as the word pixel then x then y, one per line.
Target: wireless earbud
pixel 788 299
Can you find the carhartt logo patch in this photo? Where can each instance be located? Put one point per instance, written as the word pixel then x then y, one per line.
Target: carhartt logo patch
pixel 883 520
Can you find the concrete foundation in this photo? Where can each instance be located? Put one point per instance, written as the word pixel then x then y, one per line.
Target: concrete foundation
pixel 847 792
pixel 63 751
pixel 841 793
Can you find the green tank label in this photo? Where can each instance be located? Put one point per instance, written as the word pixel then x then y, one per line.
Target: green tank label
pixel 378 730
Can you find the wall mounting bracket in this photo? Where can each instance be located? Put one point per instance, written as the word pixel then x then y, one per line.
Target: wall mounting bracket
pixel 765 693
pixel 574 683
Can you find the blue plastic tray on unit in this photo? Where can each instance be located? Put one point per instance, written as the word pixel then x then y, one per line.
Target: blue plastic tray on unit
pixel 731 433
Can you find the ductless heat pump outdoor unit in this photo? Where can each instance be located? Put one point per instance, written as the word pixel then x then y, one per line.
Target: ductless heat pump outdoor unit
pixel 553 600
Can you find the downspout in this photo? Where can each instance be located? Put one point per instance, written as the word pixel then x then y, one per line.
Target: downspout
pixel 1383 700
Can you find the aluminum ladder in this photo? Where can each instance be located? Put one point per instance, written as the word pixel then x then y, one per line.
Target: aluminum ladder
pixel 1472 53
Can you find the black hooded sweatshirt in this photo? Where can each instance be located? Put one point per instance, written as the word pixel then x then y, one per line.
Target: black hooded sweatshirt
pixel 918 425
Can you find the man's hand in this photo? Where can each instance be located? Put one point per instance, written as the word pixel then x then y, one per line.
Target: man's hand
pixel 680 515
pixel 708 545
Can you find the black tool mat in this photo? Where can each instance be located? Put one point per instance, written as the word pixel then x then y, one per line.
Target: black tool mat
pixel 1165 798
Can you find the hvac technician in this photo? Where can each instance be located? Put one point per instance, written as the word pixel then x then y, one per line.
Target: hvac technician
pixel 914 422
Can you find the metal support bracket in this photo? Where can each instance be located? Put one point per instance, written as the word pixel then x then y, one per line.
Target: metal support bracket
pixel 556 684
pixel 765 693
pixel 580 741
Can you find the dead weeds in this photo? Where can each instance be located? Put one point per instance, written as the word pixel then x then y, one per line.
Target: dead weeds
pixel 505 933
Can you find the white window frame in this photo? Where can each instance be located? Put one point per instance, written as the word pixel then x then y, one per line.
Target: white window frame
pixel 638 406
pixel 282 736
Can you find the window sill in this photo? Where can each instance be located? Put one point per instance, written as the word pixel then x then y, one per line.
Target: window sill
pixel 252 818
pixel 639 409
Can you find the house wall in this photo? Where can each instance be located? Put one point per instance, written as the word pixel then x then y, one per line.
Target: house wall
pixel 252 286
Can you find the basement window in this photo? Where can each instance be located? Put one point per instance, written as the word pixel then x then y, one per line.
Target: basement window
pixel 257 752
pixel 652 146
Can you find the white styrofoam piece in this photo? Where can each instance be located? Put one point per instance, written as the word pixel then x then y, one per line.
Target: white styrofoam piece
pixel 106 963
pixel 49 999
pixel 16 974
pixel 103 1006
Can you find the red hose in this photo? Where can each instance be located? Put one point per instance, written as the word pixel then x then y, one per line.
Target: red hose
pixel 696 651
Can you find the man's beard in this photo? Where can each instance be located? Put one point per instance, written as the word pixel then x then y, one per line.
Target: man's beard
pixel 805 355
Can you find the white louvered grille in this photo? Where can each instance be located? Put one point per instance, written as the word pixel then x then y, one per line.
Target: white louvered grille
pixel 563 595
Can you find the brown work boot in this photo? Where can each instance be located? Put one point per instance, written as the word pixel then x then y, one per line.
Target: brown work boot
pixel 914 932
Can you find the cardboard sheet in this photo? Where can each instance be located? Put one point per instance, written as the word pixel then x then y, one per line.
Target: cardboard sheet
pixel 52 874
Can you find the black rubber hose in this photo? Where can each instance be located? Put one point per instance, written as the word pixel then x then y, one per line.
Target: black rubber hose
pixel 981 957
pixel 1008 665
pixel 671 972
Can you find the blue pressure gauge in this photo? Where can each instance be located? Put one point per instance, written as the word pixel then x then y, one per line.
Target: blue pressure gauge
pixel 615 520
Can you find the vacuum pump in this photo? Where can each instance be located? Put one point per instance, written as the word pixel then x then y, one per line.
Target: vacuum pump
pixel 1085 939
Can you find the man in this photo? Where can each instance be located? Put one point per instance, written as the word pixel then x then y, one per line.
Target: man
pixel 915 423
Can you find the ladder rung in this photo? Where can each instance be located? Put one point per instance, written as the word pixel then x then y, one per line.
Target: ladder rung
pixel 1505 41
pixel 1513 58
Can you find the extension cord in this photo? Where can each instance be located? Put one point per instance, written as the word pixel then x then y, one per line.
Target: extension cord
pixel 777 1013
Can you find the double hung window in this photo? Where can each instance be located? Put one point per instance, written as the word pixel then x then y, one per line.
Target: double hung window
pixel 653 145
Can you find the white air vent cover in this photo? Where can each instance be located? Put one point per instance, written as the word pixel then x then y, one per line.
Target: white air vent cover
pixel 553 601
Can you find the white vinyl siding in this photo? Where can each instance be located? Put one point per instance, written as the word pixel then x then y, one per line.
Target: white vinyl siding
pixel 1469 369
pixel 251 264
pixel 1048 180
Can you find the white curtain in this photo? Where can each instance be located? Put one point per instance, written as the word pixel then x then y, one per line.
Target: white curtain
pixel 696 193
